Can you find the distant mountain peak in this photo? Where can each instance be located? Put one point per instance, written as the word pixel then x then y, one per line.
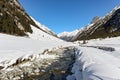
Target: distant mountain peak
pixel 67 36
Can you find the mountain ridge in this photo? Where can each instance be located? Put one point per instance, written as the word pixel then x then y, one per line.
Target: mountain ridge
pixel 106 26
pixel 15 21
pixel 101 29
pixel 67 35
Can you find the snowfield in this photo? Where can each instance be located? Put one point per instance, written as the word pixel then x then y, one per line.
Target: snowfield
pixel 108 42
pixel 91 63
pixel 43 27
pixel 95 64
pixel 12 47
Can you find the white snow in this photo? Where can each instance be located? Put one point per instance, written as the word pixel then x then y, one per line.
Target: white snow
pixel 12 47
pixel 67 34
pixel 75 32
pixel 90 64
pixel 43 27
pixel 89 26
pixel 47 56
pixel 40 35
pixel 117 7
pixel 95 64
pixel 40 25
pixel 107 42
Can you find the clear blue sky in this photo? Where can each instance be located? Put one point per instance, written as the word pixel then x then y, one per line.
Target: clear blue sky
pixel 67 15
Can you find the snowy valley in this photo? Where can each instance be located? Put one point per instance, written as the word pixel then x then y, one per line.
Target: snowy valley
pixel 90 63
pixel 31 51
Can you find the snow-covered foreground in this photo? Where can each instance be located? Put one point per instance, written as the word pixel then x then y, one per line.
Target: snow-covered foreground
pixel 91 63
pixel 12 47
pixel 95 64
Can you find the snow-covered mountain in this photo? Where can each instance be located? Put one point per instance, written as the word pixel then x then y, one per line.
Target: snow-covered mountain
pixel 106 26
pixel 15 21
pixel 44 28
pixel 67 35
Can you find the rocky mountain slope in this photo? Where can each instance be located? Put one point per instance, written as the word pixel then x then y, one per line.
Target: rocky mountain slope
pixel 68 36
pixel 106 26
pixel 15 21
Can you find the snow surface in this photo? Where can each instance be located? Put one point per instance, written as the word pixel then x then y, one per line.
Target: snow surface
pixel 91 63
pixel 12 47
pixel 108 42
pixel 43 27
pixel 89 26
pixel 40 25
pixel 75 32
pixel 41 35
pixel 95 64
pixel 117 7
